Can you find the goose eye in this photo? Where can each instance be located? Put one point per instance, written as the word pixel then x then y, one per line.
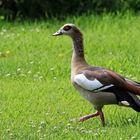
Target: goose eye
pixel 66 28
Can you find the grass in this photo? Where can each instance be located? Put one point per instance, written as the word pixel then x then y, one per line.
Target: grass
pixel 37 100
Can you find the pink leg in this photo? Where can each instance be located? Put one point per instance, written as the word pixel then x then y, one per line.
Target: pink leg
pixel 102 118
pixel 89 116
pixel 98 113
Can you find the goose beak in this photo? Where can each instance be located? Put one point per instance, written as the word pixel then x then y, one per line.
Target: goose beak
pixel 58 33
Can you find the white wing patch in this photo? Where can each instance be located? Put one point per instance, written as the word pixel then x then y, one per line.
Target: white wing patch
pixel 106 87
pixel 85 83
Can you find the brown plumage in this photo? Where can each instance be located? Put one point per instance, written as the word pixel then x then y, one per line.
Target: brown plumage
pixel 98 85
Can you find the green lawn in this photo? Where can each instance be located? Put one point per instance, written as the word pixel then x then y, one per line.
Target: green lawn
pixel 37 100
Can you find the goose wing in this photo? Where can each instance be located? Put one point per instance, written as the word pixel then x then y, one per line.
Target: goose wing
pixel 101 79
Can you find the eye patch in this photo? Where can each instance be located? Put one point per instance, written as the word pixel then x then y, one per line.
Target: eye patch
pixel 66 28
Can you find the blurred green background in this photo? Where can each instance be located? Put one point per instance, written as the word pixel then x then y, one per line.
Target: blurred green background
pixel 34 9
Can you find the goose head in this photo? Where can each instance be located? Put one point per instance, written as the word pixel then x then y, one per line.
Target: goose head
pixel 68 29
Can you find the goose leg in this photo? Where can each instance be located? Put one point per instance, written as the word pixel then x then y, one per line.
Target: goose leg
pixel 102 117
pixel 98 113
pixel 89 116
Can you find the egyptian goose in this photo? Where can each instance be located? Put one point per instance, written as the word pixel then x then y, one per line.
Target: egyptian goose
pixel 98 85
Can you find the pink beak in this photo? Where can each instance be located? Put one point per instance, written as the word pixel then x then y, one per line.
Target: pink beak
pixel 58 33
